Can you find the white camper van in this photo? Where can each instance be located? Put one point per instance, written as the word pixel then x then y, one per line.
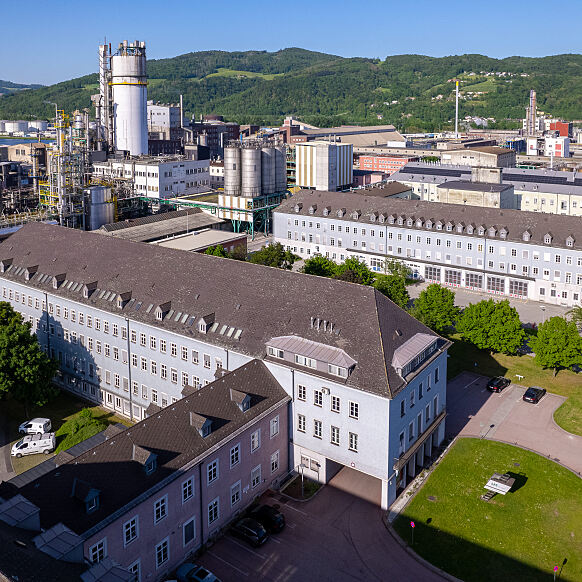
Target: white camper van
pixel 35 426
pixel 34 443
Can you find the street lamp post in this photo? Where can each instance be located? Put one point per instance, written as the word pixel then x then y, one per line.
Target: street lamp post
pixel 302 488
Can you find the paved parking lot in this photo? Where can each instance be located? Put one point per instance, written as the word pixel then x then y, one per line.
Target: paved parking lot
pixel 333 537
pixel 474 411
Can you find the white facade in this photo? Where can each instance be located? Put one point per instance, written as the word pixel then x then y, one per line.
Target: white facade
pixel 557 147
pixel 324 165
pixel 163 118
pixel 159 178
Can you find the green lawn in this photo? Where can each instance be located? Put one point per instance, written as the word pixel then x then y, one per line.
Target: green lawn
pixel 222 72
pixel 64 412
pixel 566 383
pixel 520 536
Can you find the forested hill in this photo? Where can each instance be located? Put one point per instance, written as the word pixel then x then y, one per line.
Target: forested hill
pixel 414 92
pixel 7 87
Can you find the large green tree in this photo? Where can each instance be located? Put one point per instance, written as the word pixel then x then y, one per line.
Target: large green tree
pixel 492 325
pixel 354 270
pixel 26 372
pixel 435 307
pixel 558 344
pixel 394 287
pixel 274 256
pixel 319 265
pixel 217 251
pixel 396 267
pixel 576 316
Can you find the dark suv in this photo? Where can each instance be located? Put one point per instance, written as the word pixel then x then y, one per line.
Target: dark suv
pixel 534 394
pixel 498 384
pixel 272 520
pixel 251 531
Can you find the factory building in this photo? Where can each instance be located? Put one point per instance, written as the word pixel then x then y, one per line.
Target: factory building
pixel 135 327
pixel 484 157
pixel 157 177
pixel 164 121
pixel 324 165
pixel 384 163
pixel 550 191
pixel 503 252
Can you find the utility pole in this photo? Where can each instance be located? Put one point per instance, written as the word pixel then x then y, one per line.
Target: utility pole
pixel 456 108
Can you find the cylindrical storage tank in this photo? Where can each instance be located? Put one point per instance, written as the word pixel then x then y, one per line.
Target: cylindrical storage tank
pixel 232 171
pixel 268 170
pixel 38 124
pixel 15 126
pixel 129 83
pixel 251 172
pixel 280 169
pixel 2 126
pixel 100 207
pixel 78 122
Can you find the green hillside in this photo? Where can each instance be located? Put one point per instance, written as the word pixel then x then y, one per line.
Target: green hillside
pixel 414 92
pixel 8 87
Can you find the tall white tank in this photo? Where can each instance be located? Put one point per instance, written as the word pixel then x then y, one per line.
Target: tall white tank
pixel 15 126
pixel 100 207
pixel 39 125
pixel 232 171
pixel 280 169
pixel 268 170
pixel 251 171
pixel 129 83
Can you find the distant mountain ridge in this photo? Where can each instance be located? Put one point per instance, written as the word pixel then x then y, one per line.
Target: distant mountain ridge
pixel 8 87
pixel 415 92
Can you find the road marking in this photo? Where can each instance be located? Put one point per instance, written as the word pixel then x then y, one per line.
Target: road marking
pixel 228 563
pixel 295 509
pixel 274 540
pixel 473 382
pixel 291 525
pixel 247 549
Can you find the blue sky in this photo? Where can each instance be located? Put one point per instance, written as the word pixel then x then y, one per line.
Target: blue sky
pixel 47 42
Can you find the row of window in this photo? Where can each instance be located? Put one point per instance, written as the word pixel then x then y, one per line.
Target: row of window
pixel 419 391
pixel 335 401
pixel 415 429
pixel 334 432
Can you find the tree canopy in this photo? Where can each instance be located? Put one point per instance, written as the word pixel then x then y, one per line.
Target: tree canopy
pixel 492 325
pixel 217 251
pixel 435 307
pixel 355 271
pixel 558 344
pixel 394 287
pixel 319 265
pixel 274 255
pixel 26 372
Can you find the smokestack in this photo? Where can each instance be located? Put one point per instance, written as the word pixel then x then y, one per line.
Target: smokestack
pixel 457 109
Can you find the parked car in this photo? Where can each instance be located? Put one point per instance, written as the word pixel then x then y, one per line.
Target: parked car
pixel 271 519
pixel 34 443
pixel 251 531
pixel 189 572
pixel 35 426
pixel 498 383
pixel 534 394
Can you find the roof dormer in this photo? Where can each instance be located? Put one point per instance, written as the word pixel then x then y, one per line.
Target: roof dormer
pixel 470 228
pixel 492 231
pixel 373 216
pixel 58 280
pixel 312 209
pixel 29 272
pixel 241 399
pixel 4 264
pixel 503 232
pixel 341 212
pixel 419 222
pixel 356 214
pixel 326 211
pixel 147 459
pixel 205 322
pixel 570 240
pixel 162 310
pixel 460 227
pixel 201 423
pixel 526 236
pixel 298 207
pixel 88 289
pixel 428 224
pixel 123 299
pixel 548 237
pixel 86 494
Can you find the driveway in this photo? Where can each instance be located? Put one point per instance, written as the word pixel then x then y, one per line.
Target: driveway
pixel 6 471
pixel 334 537
pixel 474 411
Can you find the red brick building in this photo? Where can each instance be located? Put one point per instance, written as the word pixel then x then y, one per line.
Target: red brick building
pixel 384 163
pixel 563 127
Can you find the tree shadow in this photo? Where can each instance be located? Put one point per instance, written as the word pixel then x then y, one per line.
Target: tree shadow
pixel 520 481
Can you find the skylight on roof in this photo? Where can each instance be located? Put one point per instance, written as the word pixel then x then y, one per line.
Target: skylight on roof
pixel 184 318
pixel 214 327
pixel 230 332
pixel 138 306
pixel 101 294
pixel 170 313
pixel 106 297
pixel 150 306
pixel 192 320
pixel 178 315
pixel 237 334
pixel 70 284
pixel 223 329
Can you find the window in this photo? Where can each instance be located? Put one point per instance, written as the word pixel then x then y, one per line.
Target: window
pixel 152 342
pixel 274 462
pixel 335 435
pixel 184 378
pixel 206 361
pixel 335 404
pixel 135 569
pixel 304 361
pixel 353 442
pixel 402 408
pixel 160 509
pixel 234 455
pixel 130 530
pixel 235 493
pixel 98 551
pixel 142 339
pixel 194 357
pixel 354 410
pixel 411 432
pixel 173 350
pixel 436 375
pixel 189 531
pixel 163 346
pixel 420 391
pixel 412 399
pixel 255 440
pixel 212 471
pixel 275 426
pixel 184 353
pixel 256 476
pixel 301 422
pixel 187 489
pixel 317 429
pixel 162 552
pixel 301 392
pixel 174 375
pixel 317 398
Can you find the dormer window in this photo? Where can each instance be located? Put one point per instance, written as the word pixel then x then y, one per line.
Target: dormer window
pixel 460 227
pixel 150 466
pixel 241 399
pixel 409 222
pixel 470 229
pixel 373 216
pixel 382 218
pixel 58 280
pixel 4 265
pixel 298 207
pixel 449 227
pixel 480 231
pixel 122 299
pixel 326 211
pixel 428 224
pixel 163 310
pixel 391 219
pixel 439 225
pixel 92 504
pixel 526 236
pixel 312 208
pixel 29 273
pixel 570 241
pixel 201 423
pixel 492 231
pixel 305 361
pixel 419 223
pixel 88 289
pixel 503 233
pixel 400 220
pixel 337 371
pixel 548 238
pixel 341 212
pixel 356 214
pixel 276 353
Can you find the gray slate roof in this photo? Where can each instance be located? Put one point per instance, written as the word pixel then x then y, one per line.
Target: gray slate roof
pixel 261 302
pixel 474 186
pixel 515 221
pixel 110 468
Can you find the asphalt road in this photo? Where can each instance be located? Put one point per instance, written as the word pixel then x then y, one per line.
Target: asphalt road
pixel 6 471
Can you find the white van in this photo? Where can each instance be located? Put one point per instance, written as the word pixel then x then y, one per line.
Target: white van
pixel 34 443
pixel 35 426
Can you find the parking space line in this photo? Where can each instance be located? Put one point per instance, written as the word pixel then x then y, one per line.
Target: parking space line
pixel 291 525
pixel 228 563
pixel 295 509
pixel 247 549
pixel 275 540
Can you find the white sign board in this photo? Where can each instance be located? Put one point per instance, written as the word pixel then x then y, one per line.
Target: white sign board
pixel 498 487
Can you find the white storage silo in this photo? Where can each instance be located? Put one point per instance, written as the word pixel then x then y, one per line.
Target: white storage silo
pixel 232 170
pixel 280 169
pixel 251 171
pixel 100 207
pixel 268 170
pixel 129 83
pixel 38 124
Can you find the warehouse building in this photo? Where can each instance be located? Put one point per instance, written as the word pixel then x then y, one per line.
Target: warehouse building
pixel 324 165
pixel 503 252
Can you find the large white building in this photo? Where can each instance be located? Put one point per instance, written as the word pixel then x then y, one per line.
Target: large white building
pixel 132 325
pixel 502 252
pixel 324 165
pixel 163 120
pixel 159 177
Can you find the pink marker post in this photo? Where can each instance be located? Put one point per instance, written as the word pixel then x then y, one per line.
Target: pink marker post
pixel 412 525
